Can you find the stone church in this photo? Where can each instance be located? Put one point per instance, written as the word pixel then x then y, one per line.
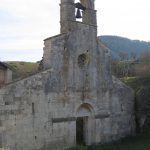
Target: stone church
pixel 74 99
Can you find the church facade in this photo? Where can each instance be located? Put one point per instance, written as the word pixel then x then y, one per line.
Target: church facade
pixel 75 99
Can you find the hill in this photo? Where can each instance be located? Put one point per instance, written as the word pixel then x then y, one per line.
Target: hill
pixel 120 44
pixel 22 69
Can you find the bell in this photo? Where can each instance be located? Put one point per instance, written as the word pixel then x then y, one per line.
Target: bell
pixel 78 14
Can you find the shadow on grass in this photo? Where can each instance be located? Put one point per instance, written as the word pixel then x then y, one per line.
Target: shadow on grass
pixel 140 142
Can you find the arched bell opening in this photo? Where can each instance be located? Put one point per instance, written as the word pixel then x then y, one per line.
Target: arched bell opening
pixel 79 8
pixel 76 10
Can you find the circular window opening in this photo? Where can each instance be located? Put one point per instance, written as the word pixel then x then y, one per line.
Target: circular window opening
pixel 82 60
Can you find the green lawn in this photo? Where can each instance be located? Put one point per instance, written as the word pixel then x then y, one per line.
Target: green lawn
pixel 134 143
pixel 23 69
pixel 137 82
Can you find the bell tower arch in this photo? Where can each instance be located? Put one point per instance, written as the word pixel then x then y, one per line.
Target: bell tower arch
pixel 68 17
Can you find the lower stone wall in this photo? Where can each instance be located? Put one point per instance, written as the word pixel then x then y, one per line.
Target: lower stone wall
pixel 143 109
pixel 114 128
pixel 32 118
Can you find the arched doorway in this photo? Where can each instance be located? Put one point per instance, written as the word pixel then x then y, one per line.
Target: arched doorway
pixel 85 125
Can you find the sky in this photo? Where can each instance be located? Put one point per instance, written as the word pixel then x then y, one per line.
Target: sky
pixel 24 24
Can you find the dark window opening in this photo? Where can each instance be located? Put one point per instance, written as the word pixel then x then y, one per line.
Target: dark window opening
pixel 6 103
pixel 82 60
pixel 35 137
pixel 33 111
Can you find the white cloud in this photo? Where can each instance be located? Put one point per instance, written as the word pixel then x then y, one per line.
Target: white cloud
pixel 36 20
pixel 31 21
pixel 125 18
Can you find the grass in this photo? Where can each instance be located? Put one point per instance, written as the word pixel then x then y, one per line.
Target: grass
pixel 22 69
pixel 141 142
pixel 137 82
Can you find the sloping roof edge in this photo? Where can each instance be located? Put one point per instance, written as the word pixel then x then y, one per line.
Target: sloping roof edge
pixel 5 65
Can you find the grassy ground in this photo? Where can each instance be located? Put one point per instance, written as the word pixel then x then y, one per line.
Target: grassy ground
pixel 137 82
pixel 141 142
pixel 23 69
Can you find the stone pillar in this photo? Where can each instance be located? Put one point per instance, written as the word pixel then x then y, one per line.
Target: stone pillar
pixel 89 15
pixel 67 15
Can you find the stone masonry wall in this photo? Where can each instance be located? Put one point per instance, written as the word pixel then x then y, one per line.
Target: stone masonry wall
pixel 41 111
pixel 31 118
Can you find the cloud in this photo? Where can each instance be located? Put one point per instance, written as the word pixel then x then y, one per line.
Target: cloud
pixel 124 18
pixel 32 15
pixel 25 23
pixel 31 55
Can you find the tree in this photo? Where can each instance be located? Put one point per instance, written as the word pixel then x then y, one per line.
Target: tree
pixel 145 56
pixel 123 56
pixel 143 68
pixel 133 55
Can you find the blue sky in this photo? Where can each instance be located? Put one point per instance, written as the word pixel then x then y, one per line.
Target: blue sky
pixel 25 23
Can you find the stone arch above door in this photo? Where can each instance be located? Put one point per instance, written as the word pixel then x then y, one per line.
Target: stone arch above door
pixel 85 109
